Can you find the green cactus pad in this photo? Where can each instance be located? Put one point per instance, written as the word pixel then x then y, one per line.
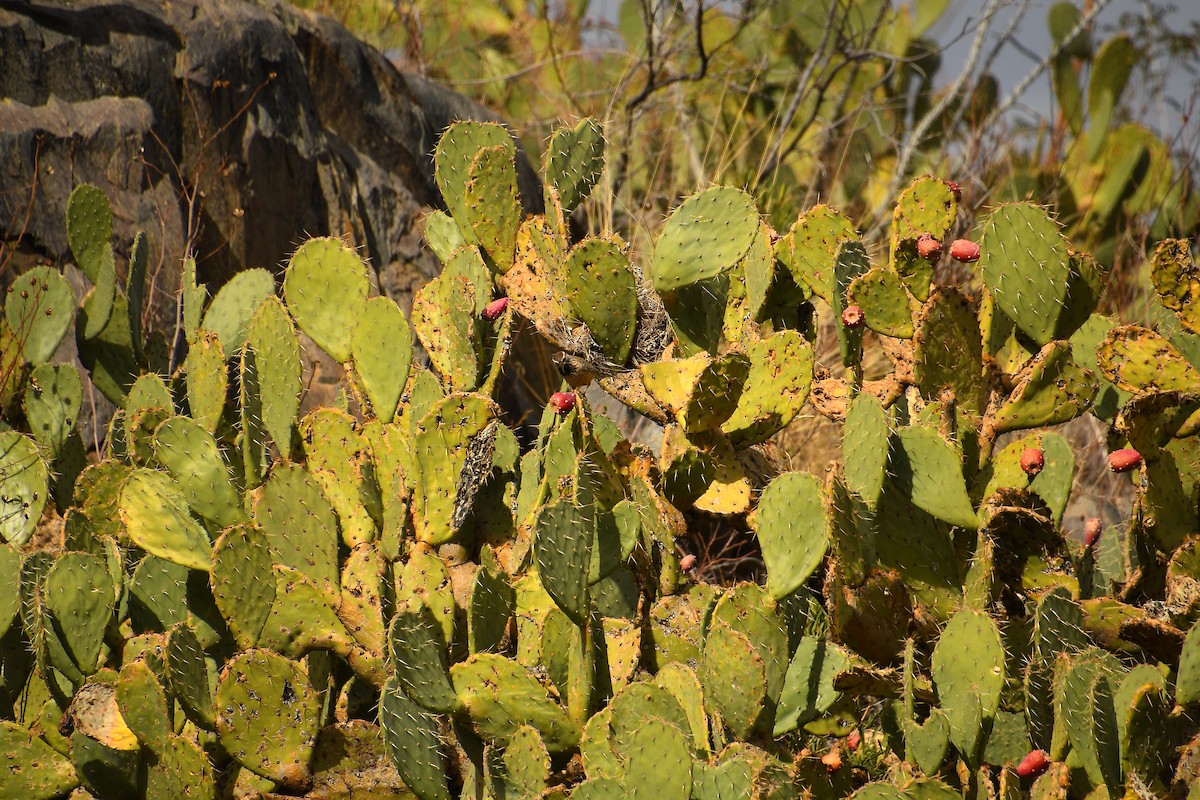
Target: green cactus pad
pixel 143 704
pixel 272 336
pixel 793 531
pixel 948 351
pixel 188 676
pixel 299 524
pixel 154 510
pixel 339 458
pixel 181 769
pixel 705 236
pixel 775 389
pixel 190 454
pixel 194 296
pixel 808 687
pixel 382 346
pixel 412 738
pixel 928 469
pixel 812 250
pixel 1051 388
pixel 1084 702
pixel 499 696
pixel 968 670
pixel 446 323
pixel 30 768
pixel 419 658
pixel 574 161
pixel 24 482
pixel 109 356
pixel 10 598
pixel 267 716
pixel 563 550
pixel 1177 281
pixel 307 620
pixel 52 402
pixel 1137 359
pixel 228 316
pixel 658 763
pixel 362 594
pixel 98 304
pixel 148 391
pixel 1187 685
pixel 425 577
pixel 456 150
pixel 326 284
pixel 444 454
pixel 135 290
pixel 207 380
pixel 734 678
pixel 442 234
pixel 600 286
pixel 526 764
pixel 39 309
pixel 1026 265
pixel 927 207
pixel 80 598
pixel 89 228
pixel 489 610
pixel 864 447
pixel 884 301
pixel 491 202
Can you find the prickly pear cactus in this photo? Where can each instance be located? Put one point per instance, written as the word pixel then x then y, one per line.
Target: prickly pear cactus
pixel 416 592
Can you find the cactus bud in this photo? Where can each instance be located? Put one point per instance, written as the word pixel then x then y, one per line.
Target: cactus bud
pixel 1033 764
pixel 853 740
pixel 687 563
pixel 832 761
pixel 964 250
pixel 1091 531
pixel 1124 460
pixel 853 317
pixel 495 309
pixel 928 247
pixel 562 402
pixel 1032 461
pixel 955 189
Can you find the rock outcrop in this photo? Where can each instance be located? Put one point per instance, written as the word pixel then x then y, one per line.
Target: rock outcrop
pixel 229 128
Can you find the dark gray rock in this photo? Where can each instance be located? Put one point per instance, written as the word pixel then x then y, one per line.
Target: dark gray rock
pixel 232 127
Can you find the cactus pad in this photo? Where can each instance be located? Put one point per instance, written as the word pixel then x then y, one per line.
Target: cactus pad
pixel 23 485
pixel 705 236
pixel 326 284
pixel 382 346
pixel 267 716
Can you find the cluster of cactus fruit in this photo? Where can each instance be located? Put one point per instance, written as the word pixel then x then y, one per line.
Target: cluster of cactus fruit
pixel 405 596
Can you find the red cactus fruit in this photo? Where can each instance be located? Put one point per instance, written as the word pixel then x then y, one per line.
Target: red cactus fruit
pixel 1124 460
pixel 832 761
pixel 1091 531
pixel 964 250
pixel 687 563
pixel 562 402
pixel 1033 764
pixel 1032 461
pixel 495 308
pixel 955 189
pixel 853 317
pixel 853 740
pixel 928 247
